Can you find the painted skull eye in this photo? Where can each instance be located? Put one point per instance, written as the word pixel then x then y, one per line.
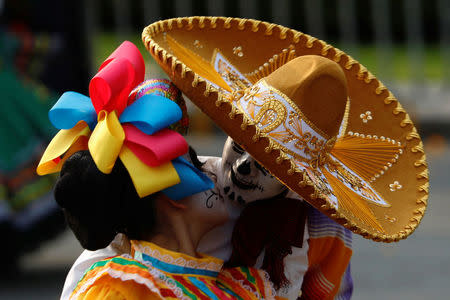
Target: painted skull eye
pixel 238 148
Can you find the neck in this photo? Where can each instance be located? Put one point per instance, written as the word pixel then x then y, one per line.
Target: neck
pixel 175 231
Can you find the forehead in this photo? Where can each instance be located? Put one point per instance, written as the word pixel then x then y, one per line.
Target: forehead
pixel 231 145
pixel 233 153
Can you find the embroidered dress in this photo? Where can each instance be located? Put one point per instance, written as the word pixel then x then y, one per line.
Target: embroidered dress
pixel 156 273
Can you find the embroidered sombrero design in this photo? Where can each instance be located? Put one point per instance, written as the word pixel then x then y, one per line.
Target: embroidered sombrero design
pixel 312 115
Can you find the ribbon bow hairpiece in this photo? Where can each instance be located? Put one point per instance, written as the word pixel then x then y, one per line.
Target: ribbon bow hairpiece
pixel 114 123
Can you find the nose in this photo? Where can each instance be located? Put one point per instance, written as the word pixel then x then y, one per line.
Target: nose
pixel 244 168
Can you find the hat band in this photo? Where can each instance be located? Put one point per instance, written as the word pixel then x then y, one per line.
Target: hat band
pixel 271 111
pixel 277 117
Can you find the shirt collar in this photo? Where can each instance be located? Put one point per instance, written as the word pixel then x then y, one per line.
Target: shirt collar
pixel 175 262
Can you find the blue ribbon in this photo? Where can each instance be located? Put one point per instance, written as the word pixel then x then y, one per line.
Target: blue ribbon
pixel 192 180
pixel 71 108
pixel 151 113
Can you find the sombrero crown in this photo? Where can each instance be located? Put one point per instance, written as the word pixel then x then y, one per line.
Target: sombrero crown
pixel 312 115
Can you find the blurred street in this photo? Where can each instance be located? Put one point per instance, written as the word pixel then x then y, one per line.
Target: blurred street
pixel 416 268
pixel 49 47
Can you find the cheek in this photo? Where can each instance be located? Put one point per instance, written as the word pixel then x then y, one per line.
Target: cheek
pixel 272 184
pixel 269 187
pixel 225 176
pixel 209 207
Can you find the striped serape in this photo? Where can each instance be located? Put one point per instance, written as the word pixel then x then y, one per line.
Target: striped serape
pixel 330 249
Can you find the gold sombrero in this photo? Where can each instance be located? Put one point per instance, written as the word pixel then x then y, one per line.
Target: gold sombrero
pixel 358 159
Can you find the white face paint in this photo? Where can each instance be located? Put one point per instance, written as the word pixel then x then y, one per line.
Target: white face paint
pixel 244 179
pixel 207 207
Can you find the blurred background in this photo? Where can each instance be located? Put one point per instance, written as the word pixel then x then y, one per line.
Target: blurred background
pixel 49 46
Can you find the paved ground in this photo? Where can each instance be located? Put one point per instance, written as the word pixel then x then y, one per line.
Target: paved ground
pixel 417 268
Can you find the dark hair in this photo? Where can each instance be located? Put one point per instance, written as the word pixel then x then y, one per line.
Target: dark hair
pixel 273 225
pixel 97 206
pixel 194 158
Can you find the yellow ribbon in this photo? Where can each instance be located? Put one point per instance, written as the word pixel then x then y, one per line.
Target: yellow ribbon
pixel 73 139
pixel 105 144
pixel 106 141
pixel 148 180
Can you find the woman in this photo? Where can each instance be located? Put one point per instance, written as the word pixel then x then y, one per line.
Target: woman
pixel 140 186
pixel 164 236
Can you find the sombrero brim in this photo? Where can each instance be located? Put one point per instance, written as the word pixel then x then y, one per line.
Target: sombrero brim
pixel 258 48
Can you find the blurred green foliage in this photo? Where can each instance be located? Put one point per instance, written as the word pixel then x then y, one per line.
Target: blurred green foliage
pixel 105 43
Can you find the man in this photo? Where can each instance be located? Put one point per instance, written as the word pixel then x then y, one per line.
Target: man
pixel 325 244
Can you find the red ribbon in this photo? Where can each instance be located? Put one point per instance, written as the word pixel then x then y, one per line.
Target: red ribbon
pixel 118 75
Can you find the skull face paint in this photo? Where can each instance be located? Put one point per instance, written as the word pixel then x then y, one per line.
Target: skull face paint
pixel 244 179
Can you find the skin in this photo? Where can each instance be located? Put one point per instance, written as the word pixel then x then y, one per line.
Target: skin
pixel 209 217
pixel 244 180
pixel 181 224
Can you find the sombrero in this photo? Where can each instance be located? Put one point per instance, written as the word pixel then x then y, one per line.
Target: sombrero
pixel 312 115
